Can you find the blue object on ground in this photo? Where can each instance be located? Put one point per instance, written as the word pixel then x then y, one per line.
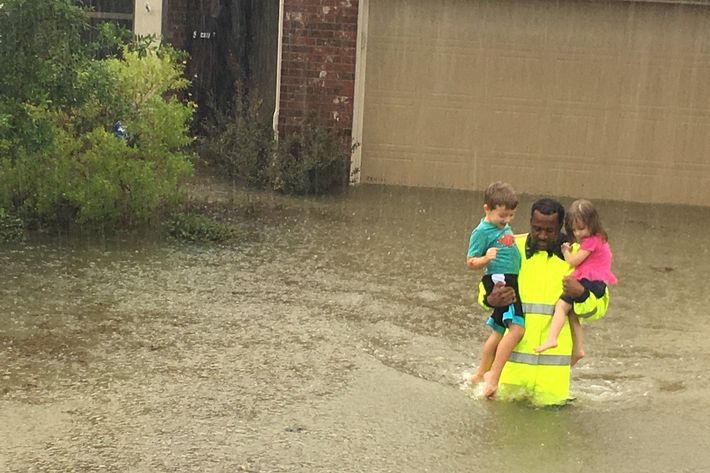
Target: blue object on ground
pixel 119 132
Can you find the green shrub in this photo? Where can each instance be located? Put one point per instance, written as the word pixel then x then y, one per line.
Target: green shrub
pixel 312 161
pixel 198 228
pixel 239 141
pixel 59 160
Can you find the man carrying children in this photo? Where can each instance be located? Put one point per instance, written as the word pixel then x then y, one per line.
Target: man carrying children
pixel 544 275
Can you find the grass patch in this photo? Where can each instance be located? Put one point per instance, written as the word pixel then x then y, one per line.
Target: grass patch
pixel 196 228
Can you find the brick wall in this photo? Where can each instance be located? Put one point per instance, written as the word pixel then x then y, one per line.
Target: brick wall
pixel 318 63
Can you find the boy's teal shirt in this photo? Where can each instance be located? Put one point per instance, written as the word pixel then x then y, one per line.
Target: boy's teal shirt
pixel 487 235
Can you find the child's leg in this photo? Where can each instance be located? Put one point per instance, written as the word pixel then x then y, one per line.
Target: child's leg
pixel 562 308
pixel 577 339
pixel 494 321
pixel 505 348
pixel 487 355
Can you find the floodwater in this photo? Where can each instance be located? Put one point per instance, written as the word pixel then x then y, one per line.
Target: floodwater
pixel 335 337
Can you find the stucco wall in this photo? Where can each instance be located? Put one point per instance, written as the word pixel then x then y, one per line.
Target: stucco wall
pixel 148 17
pixel 577 98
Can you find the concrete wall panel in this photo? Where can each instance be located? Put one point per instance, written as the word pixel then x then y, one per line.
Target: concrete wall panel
pixel 584 99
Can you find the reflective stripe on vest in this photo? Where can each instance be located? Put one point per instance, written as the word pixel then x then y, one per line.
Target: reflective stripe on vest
pixel 547 309
pixel 542 309
pixel 588 314
pixel 540 359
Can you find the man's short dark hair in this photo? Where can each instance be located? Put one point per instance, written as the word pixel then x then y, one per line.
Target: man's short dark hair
pixel 548 206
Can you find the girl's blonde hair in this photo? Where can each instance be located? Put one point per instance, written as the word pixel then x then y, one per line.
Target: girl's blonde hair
pixel 583 212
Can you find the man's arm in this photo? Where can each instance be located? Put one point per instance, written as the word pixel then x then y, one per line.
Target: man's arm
pixel 500 296
pixel 592 308
pixel 571 287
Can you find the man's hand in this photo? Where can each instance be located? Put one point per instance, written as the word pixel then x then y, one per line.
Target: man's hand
pixel 572 287
pixel 501 295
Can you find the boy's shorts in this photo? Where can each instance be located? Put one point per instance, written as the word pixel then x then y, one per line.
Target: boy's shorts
pixel 503 316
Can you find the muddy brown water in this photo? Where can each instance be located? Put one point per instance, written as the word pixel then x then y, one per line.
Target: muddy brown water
pixel 335 337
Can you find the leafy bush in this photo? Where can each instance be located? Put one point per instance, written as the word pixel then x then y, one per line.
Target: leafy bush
pixel 239 141
pixel 59 160
pixel 198 228
pixel 312 161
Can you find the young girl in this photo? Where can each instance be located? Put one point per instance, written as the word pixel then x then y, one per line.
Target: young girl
pixel 592 263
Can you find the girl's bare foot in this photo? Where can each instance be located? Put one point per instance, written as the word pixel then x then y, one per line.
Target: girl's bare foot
pixel 576 356
pixel 475 378
pixel 491 386
pixel 545 346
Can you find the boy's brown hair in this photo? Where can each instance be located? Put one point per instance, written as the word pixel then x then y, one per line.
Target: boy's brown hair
pixel 583 212
pixel 500 194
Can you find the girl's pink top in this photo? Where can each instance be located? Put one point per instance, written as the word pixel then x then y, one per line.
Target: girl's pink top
pixel 597 266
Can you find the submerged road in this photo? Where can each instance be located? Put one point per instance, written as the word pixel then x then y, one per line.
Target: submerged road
pixel 335 337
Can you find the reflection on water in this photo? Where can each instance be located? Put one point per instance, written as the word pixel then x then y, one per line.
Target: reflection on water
pixel 335 337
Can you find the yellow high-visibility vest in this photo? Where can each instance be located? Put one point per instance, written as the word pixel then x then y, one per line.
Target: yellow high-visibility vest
pixel 542 378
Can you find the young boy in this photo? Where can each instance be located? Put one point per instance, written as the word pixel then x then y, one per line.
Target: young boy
pixel 492 246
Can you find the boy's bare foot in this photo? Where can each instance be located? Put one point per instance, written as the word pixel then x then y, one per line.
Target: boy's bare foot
pixel 545 346
pixel 576 356
pixel 491 386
